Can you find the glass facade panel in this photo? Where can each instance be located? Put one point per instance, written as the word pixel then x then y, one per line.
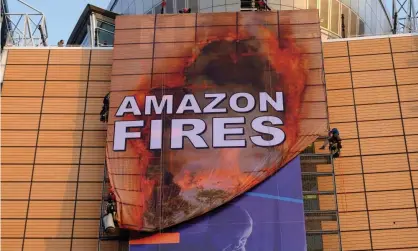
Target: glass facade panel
pixel 335 16
pixel 355 5
pixel 157 9
pixel 180 5
pixel 193 4
pixel 104 38
pixel 147 5
pixel 361 28
pixel 324 13
pixel 117 8
pixel 86 40
pixel 312 4
pixel 362 9
pixel 169 8
pixel 368 15
pixel 139 6
pixel 346 2
pixel 353 24
pixel 346 14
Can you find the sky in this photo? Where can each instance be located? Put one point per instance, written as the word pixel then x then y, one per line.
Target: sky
pixel 61 15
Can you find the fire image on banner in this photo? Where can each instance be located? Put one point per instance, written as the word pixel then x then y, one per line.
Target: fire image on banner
pixel 204 107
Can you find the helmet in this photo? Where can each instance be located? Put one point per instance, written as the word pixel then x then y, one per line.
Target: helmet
pixel 335 131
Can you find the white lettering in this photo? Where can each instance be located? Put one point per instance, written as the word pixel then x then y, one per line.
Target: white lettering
pixel 218 98
pixel 178 133
pixel 277 133
pixel 184 105
pixel 121 134
pixel 220 132
pixel 276 104
pixel 151 101
pixel 129 105
pixel 233 102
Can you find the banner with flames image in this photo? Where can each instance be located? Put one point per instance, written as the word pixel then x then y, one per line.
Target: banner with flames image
pixel 205 106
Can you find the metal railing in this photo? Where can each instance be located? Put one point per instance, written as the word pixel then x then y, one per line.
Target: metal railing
pixel 26 29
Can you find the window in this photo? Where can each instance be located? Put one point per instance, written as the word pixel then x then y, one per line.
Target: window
pixel 86 40
pixel 117 8
pixel 353 25
pixel 346 14
pixel 105 33
pixel 104 38
pixel 193 5
pixel 312 4
pixel 324 13
pixel 169 8
pixel 157 9
pixel 368 15
pixel 362 9
pixel 180 4
pixel 335 16
pixel 354 5
pixel 346 2
pixel 361 28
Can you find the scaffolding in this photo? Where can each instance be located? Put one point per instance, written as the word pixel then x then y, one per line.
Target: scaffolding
pixel 23 29
pixel 405 16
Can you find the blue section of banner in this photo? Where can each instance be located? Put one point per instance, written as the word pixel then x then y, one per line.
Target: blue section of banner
pixel 268 196
pixel 268 218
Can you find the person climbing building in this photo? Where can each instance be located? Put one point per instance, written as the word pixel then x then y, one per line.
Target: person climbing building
pixel 104 114
pixel 163 4
pixel 334 141
pixel 262 5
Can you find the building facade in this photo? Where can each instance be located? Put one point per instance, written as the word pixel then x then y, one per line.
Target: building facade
pixel 53 148
pixel 373 99
pixel 361 17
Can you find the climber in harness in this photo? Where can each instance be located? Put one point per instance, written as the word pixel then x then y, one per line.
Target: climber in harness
pixel 104 114
pixel 110 214
pixel 262 5
pixel 334 142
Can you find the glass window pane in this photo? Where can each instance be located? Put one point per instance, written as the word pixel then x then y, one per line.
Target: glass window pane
pixel 354 5
pixel 147 5
pixel 169 8
pixel 335 16
pixel 180 5
pixel 300 4
pixel 118 7
pixel 157 9
pixel 346 2
pixel 361 28
pixel 312 4
pixel 139 7
pixel 353 25
pixel 193 5
pixel 345 12
pixel 105 38
pixel 368 15
pixel 324 14
pixel 362 9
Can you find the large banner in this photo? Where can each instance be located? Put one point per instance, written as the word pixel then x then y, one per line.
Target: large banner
pixel 206 106
pixel 268 218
